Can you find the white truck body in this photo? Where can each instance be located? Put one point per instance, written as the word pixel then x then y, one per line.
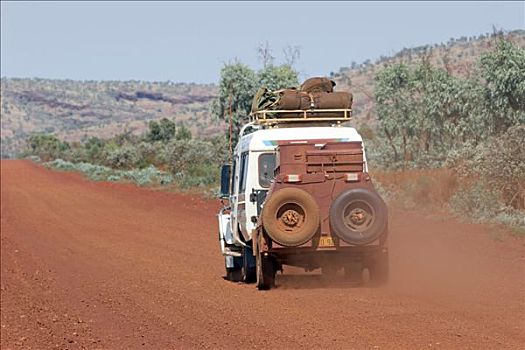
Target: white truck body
pixel 236 226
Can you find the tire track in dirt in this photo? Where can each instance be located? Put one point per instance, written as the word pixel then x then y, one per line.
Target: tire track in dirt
pixel 113 266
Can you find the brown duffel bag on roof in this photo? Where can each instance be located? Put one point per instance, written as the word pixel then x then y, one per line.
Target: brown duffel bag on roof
pixel 332 100
pixel 290 99
pixel 293 99
pixel 318 84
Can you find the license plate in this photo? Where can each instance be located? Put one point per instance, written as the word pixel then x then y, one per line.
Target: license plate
pixel 326 241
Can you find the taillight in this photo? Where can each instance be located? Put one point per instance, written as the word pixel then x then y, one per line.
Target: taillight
pixel 352 177
pixel 292 178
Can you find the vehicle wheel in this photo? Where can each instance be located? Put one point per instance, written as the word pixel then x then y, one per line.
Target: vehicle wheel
pixel 354 272
pixel 358 216
pixel 379 269
pixel 234 273
pixel 249 274
pixel 328 270
pixel 265 272
pixel 290 216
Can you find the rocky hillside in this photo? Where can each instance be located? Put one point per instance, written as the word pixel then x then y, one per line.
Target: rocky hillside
pixel 74 110
pixel 457 56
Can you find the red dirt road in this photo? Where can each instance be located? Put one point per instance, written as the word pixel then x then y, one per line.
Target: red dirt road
pixel 89 265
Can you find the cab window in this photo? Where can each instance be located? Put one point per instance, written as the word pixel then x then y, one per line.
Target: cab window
pixel 266 169
pixel 243 172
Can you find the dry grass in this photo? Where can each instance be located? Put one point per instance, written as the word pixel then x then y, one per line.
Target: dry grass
pixel 440 192
pixel 427 188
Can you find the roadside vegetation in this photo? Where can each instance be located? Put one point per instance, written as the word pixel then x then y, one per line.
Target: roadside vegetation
pixel 166 154
pixel 444 142
pixel 469 130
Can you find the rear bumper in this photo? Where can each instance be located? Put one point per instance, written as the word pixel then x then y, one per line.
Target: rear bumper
pixel 314 258
pixel 358 250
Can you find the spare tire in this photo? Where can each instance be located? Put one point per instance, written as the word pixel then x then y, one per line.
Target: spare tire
pixel 290 216
pixel 358 216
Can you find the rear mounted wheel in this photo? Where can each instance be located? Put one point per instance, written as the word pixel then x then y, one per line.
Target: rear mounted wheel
pixel 358 216
pixel 290 216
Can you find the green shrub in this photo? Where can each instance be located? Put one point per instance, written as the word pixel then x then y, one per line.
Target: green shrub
pixel 147 154
pixel 183 133
pixel 179 155
pixel 35 159
pixel 149 175
pixel 125 157
pixel 94 172
pixel 46 146
pixel 483 205
pixel 513 219
pixel 476 203
pixel 163 130
pixel 498 162
pixel 76 153
pixel 199 175
pixel 60 164
pixel 94 150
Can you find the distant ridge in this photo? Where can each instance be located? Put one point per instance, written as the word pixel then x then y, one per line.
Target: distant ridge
pixel 457 56
pixel 74 110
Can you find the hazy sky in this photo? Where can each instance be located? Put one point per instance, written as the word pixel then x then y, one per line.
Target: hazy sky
pixel 190 41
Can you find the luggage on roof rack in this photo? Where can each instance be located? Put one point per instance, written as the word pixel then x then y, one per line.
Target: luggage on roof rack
pixel 293 99
pixel 315 101
pixel 318 84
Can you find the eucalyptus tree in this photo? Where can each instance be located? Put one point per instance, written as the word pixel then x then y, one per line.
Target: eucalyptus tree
pixel 238 85
pixel 503 72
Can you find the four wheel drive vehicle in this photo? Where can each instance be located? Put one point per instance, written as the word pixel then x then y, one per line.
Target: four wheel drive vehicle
pixel 299 193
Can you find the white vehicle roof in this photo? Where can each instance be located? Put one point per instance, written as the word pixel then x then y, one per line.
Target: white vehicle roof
pixel 266 139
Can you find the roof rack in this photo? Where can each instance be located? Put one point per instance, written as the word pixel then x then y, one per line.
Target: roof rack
pixel 272 117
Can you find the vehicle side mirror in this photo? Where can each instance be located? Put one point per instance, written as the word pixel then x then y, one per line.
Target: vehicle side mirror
pixel 225 180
